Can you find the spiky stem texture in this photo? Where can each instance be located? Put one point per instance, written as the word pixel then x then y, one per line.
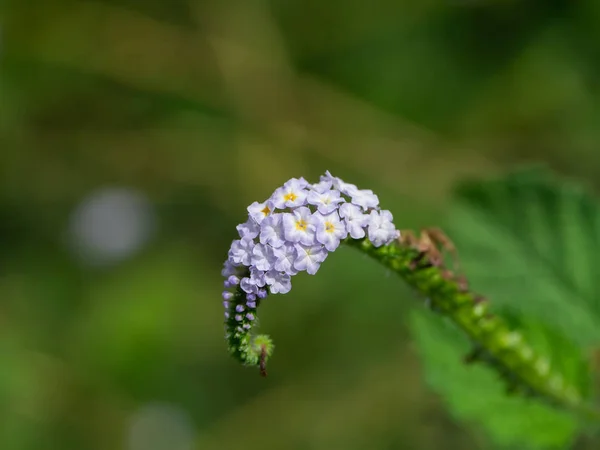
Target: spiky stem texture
pixel 494 342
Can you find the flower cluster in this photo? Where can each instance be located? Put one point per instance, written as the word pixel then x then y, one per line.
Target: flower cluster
pixel 294 231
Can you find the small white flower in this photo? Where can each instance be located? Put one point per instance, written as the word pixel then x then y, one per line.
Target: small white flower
pixel 271 231
pixel 355 220
pixel 249 229
pixel 298 226
pixel 339 184
pixel 325 202
pixel 365 199
pixel 290 195
pixel 285 257
pixel 330 230
pixel 381 228
pixel 258 211
pixel 241 251
pixel 279 283
pixel 262 257
pixel 322 186
pixel 310 257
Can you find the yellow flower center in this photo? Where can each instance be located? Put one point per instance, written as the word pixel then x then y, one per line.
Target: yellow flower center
pixel 301 225
pixel 329 227
pixel 290 196
pixel 265 210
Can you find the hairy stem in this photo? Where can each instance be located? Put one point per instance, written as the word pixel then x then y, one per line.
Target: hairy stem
pixel 494 342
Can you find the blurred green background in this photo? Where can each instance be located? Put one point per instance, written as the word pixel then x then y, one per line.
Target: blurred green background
pixel 133 134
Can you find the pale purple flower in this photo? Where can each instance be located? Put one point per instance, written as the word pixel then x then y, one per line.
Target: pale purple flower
pixel 355 220
pixel 381 228
pixel 298 226
pixel 226 315
pixel 274 246
pixel 346 188
pixel 248 285
pixel 302 183
pixel 246 326
pixel 322 186
pixel 330 230
pixel 241 251
pixel 365 198
pixel 258 211
pixel 232 281
pixel 339 184
pixel 325 202
pixel 290 195
pixel 310 257
pixel 328 177
pixel 251 284
pixel 285 257
pixel 258 277
pixel 262 257
pixel 271 231
pixel 229 268
pixel 279 283
pixel 249 229
pixel 238 317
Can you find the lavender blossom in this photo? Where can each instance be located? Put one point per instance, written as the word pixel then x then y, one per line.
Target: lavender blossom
pixel 248 229
pixel 355 220
pixel 330 230
pixel 365 199
pixel 290 195
pixel 229 268
pixel 241 251
pixel 310 257
pixel 326 202
pixel 298 226
pixel 292 231
pixel 259 211
pixel 381 228
pixel 285 257
pixel 262 257
pixel 279 282
pixel 248 285
pixel 271 231
pixel 323 186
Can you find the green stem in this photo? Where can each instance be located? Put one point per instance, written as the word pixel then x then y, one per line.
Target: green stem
pixel 495 344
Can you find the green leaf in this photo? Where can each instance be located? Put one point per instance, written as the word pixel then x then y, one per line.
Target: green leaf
pixel 474 394
pixel 531 243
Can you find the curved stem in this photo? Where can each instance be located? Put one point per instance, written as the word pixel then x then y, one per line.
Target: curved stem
pixel 495 344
